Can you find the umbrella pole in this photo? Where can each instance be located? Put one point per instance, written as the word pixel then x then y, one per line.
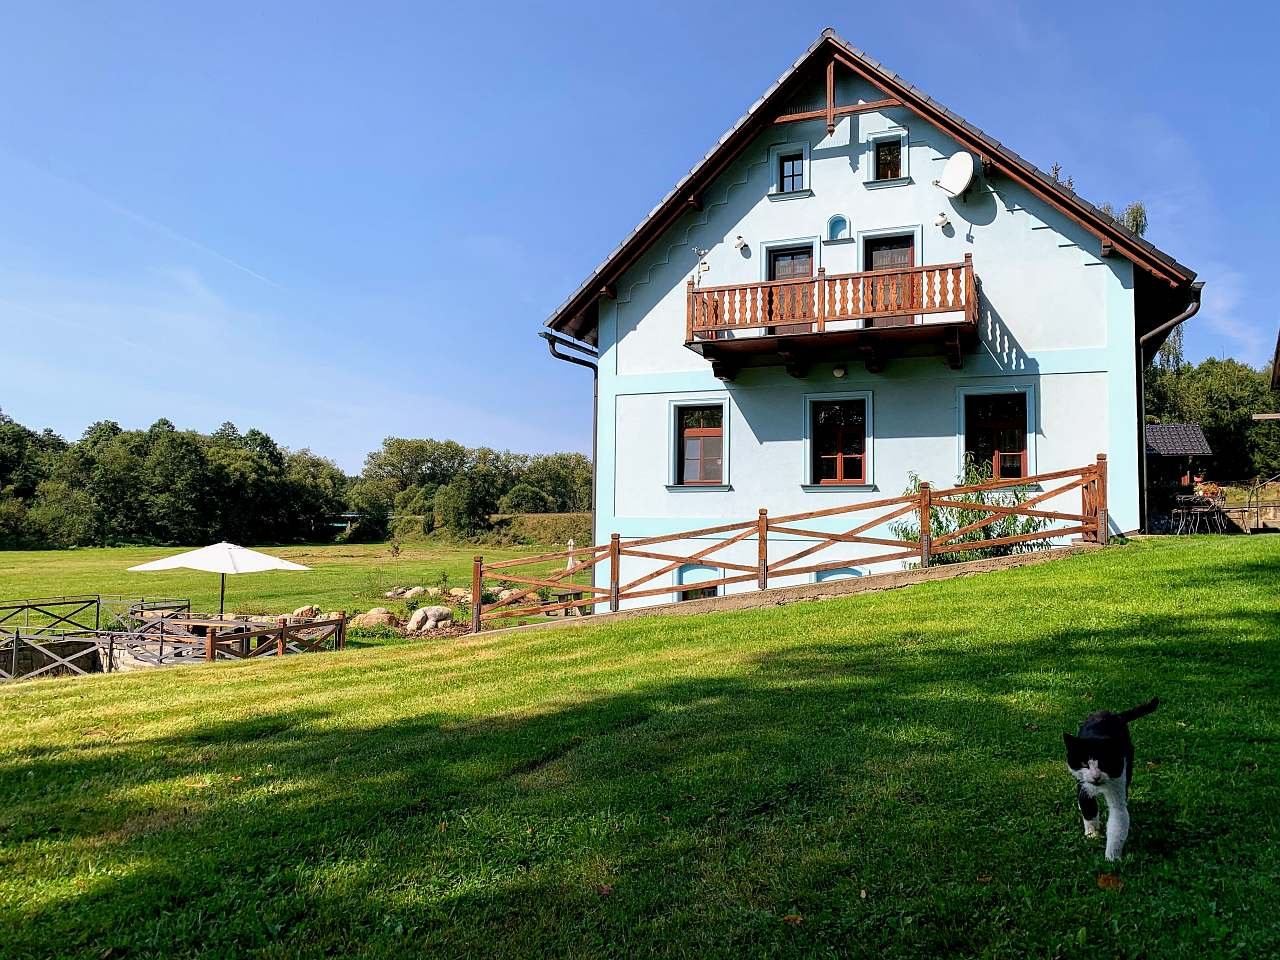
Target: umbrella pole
pixel 222 596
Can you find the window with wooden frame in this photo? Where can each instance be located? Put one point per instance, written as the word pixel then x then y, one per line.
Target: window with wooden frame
pixel 790 172
pixel 995 433
pixel 838 441
pixel 700 445
pixel 888 159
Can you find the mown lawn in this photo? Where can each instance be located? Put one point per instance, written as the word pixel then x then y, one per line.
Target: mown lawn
pixel 343 576
pixel 874 776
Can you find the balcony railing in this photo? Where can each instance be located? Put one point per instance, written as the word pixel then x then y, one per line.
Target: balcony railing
pixel 807 305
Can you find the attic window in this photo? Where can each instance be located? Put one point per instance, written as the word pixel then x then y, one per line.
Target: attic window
pixel 791 172
pixel 888 159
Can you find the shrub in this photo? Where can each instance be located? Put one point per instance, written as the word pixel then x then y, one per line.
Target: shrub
pixel 551 528
pixel 523 498
pixel 945 521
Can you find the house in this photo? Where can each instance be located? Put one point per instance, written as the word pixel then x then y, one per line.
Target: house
pixel 809 318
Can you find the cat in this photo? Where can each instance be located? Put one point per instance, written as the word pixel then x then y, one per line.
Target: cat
pixel 1100 757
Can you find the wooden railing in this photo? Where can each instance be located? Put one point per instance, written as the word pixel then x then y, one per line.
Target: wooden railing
pixel 557 591
pixel 160 642
pixel 813 302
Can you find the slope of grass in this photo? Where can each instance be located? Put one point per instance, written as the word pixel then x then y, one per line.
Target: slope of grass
pixel 343 576
pixel 879 775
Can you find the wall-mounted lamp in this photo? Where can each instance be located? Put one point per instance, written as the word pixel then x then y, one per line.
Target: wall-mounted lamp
pixel 942 222
pixel 838 372
pixel 739 243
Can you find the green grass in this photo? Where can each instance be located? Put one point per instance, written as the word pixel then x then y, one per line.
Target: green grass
pixel 343 577
pixel 879 775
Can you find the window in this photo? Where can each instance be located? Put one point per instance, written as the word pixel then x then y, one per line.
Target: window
pixel 791 172
pixel 700 445
pixel 995 433
pixel 839 573
pixel 695 573
pixel 888 159
pixel 786 263
pixel 838 444
pixel 838 228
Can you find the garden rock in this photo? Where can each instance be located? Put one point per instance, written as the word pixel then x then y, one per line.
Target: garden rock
pixel 309 612
pixel 458 593
pixel 377 617
pixel 412 593
pixel 429 618
pixel 433 591
pixel 395 593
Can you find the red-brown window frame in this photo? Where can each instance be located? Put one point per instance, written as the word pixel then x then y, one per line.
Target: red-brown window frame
pixel 815 457
pixel 895 143
pixel 997 454
pixel 697 432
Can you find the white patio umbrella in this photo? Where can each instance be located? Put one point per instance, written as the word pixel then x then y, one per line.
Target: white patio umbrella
pixel 221 558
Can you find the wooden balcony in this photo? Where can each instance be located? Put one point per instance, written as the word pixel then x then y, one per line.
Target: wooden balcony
pixel 870 316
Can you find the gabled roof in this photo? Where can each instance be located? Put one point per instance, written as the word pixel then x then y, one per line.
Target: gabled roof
pixel 1177 440
pixel 576 317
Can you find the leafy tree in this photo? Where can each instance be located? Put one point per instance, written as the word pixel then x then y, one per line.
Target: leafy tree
pixel 523 498
pixel 61 516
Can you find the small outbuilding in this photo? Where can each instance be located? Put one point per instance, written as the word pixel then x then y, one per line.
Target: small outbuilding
pixel 1171 450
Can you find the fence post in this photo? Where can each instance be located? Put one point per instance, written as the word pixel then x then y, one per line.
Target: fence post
pixel 111 652
pixel 615 570
pixel 1100 497
pixel 210 644
pixel 161 657
pixel 477 579
pixel 821 305
pixel 13 668
pixel 762 550
pixel 341 642
pixel 926 528
pixel 280 639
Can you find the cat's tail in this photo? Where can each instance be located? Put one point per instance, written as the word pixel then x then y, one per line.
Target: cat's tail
pixel 1142 710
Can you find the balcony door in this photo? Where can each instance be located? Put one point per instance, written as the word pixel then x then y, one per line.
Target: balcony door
pixel 793 300
pixel 887 292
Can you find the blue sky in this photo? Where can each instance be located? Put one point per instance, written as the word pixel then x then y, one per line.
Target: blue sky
pixel 338 222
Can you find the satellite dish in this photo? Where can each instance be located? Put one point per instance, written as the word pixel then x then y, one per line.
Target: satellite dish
pixel 957 174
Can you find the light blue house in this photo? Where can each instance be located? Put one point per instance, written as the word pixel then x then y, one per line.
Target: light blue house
pixel 855 285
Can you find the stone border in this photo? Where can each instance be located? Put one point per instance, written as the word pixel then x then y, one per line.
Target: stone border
pixel 778 596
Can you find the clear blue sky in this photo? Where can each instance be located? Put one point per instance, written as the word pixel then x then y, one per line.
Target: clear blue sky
pixel 337 222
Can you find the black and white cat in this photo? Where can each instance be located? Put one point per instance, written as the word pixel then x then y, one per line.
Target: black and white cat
pixel 1100 757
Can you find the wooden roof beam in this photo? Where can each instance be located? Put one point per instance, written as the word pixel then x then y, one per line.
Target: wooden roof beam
pixel 868 107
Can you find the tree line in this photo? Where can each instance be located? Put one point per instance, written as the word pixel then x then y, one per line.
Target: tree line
pixel 171 486
pixel 1221 395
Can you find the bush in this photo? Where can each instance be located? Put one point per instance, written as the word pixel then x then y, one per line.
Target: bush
pixel 523 498
pixel 943 522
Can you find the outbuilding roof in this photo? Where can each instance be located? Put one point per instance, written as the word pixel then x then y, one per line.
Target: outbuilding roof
pixel 577 316
pixel 1177 440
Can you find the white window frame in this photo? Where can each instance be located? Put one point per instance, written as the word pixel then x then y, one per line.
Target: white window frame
pixel 837 573
pixel 776 152
pixel 1029 389
pixel 904 175
pixel 869 481
pixel 673 441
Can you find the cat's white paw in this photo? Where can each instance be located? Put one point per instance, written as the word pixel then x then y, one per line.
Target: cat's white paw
pixel 1114 853
pixel 1092 830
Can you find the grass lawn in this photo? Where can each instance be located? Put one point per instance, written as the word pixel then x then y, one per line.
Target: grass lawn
pixel 879 775
pixel 343 577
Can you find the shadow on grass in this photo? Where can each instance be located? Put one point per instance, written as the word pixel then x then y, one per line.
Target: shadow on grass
pixel 902 796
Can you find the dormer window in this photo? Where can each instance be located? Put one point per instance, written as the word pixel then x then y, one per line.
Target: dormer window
pixel 791 172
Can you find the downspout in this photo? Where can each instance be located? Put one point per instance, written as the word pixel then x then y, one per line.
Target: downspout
pixel 590 355
pixel 1193 307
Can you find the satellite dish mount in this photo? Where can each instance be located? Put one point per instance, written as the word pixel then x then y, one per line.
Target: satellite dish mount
pixel 957 174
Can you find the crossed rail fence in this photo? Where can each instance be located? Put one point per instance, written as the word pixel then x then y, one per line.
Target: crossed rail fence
pixel 531 594
pixel 159 634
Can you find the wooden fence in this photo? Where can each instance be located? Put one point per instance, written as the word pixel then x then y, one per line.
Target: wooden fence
pixel 160 641
pixel 530 594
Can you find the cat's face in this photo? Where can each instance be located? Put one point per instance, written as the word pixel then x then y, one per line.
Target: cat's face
pixel 1094 761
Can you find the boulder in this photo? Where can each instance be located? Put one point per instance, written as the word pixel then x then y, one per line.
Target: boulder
pixel 412 593
pixel 377 617
pixel 458 593
pixel 429 618
pixel 333 615
pixel 433 591
pixel 395 593
pixel 309 612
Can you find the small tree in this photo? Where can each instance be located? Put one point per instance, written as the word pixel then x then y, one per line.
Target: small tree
pixel 943 521
pixel 525 498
